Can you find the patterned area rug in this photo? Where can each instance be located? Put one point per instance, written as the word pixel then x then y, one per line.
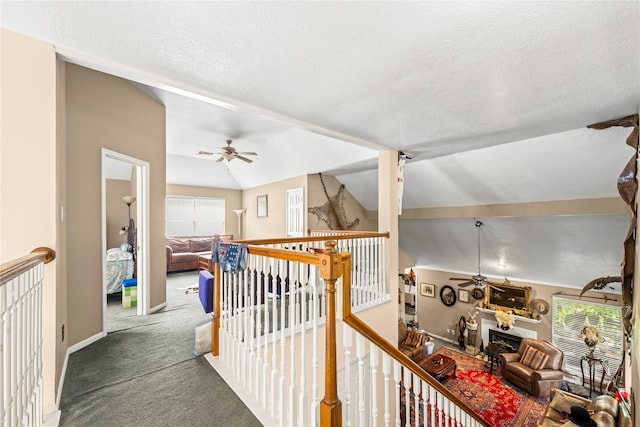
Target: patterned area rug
pixel 496 400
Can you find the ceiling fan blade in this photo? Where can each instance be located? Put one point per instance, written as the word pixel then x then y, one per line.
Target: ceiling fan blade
pixel 244 159
pixel 496 288
pixel 220 159
pixel 465 284
pixel 247 153
pixel 206 153
pixel 458 278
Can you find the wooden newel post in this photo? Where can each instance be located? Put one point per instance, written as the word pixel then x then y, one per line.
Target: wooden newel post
pixel 330 270
pixel 215 319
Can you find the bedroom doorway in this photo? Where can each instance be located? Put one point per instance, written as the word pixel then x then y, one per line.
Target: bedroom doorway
pixel 120 166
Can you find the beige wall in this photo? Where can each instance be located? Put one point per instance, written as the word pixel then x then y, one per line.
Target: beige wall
pixel 117 212
pixel 103 111
pixel 275 224
pixel 28 211
pixel 232 200
pixel 435 317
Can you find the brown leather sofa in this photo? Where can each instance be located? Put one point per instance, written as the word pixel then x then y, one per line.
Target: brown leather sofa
pixel 183 252
pixel 538 382
pixel 411 343
pixel 607 412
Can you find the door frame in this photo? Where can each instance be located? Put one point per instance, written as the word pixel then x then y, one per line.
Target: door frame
pixel 142 230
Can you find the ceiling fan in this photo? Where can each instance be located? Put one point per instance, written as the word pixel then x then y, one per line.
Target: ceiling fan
pixel 478 280
pixel 229 153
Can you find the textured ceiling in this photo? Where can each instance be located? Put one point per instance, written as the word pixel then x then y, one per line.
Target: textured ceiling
pixel 490 99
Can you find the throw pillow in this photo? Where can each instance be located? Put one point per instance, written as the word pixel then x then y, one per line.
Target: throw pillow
pixel 411 339
pixel 534 358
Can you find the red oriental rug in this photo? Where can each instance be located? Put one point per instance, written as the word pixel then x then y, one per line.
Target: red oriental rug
pixel 496 400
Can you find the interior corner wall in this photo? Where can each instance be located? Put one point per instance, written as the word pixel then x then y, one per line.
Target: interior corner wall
pixel 232 200
pixel 104 111
pixel 316 197
pixel 28 211
pixel 275 224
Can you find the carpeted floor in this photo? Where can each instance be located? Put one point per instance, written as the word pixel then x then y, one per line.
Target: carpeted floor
pixel 498 401
pixel 145 372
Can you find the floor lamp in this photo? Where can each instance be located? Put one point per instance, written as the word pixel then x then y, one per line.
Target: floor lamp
pixel 239 212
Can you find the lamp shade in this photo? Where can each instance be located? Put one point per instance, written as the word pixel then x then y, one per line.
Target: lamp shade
pixel 128 199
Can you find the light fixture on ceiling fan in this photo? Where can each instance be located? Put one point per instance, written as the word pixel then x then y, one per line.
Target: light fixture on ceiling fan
pixel 478 280
pixel 229 153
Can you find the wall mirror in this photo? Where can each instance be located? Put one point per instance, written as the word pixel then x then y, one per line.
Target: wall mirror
pixel 508 297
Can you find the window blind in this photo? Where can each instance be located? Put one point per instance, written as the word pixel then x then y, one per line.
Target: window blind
pixel 570 316
pixel 188 216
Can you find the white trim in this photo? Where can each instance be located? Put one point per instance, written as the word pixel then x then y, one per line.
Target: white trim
pixel 142 225
pixel 88 341
pixel 63 374
pixel 157 308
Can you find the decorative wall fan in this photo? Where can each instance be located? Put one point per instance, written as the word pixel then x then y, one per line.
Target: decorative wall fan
pixel 478 280
pixel 229 153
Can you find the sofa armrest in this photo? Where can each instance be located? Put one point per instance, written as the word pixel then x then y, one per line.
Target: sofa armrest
pixel 509 358
pixel 169 252
pixel 547 374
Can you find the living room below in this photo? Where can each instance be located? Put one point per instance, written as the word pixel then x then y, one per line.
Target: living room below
pixel 440 305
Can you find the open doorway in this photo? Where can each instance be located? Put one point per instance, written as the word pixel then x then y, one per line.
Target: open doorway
pixel 125 190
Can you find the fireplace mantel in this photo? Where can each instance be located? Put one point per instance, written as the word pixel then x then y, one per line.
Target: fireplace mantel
pixel 518 318
pixel 486 325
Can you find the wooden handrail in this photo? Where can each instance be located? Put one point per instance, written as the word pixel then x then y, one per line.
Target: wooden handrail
pixel 352 235
pixel 365 330
pixel 16 267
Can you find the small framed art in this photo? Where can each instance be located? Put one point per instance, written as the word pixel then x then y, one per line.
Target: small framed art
pixel 428 290
pixel 262 206
pixel 463 295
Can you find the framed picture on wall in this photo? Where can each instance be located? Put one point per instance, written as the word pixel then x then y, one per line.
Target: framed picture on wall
pixel 262 206
pixel 463 295
pixel 428 290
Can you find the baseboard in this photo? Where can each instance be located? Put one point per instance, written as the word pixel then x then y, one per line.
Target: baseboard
pixel 157 308
pixel 63 374
pixel 51 418
pixel 88 341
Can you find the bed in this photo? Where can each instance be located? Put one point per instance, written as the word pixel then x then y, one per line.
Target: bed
pixel 119 268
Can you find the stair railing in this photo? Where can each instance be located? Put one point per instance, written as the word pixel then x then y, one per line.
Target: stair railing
pixel 21 282
pixel 267 331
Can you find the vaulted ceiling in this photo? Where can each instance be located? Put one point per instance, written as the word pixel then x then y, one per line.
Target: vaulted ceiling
pixel 489 99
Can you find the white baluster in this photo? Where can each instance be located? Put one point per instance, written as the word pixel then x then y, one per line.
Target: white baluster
pixel 292 342
pixel 361 393
pixel 397 375
pixel 373 350
pixel 386 370
pixel 406 384
pixel 283 312
pixel 315 410
pixel 302 399
pixel 346 342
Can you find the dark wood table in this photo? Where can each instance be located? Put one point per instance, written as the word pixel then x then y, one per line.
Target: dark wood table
pixel 438 366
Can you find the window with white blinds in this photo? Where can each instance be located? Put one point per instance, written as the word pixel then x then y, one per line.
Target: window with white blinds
pixel 189 216
pixel 570 316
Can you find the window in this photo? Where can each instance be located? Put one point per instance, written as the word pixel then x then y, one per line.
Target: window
pixel 570 316
pixel 188 216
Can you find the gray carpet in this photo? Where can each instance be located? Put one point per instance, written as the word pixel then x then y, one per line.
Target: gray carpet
pixel 145 372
